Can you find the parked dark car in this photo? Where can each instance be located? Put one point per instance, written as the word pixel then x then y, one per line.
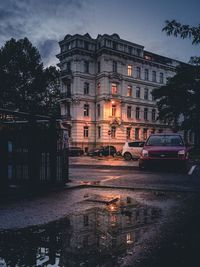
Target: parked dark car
pixel 164 148
pixel 75 151
pixel 103 151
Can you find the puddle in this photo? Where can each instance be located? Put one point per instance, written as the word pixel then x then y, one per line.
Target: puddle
pixel 97 236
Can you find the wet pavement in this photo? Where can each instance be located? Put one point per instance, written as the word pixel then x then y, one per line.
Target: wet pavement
pixel 110 214
pixel 102 228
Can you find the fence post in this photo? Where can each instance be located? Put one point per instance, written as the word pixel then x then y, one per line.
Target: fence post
pixel 33 152
pixel 53 151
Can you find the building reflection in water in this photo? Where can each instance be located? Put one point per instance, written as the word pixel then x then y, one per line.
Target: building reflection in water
pixel 95 237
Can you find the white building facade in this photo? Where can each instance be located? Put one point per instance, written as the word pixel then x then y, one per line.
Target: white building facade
pixel 106 86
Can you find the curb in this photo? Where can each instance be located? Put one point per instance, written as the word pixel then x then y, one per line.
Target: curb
pixel 104 166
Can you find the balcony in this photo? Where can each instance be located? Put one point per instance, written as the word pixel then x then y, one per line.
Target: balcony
pixel 115 76
pixel 66 73
pixel 66 96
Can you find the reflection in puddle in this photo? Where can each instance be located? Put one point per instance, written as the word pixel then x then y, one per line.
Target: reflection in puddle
pixel 98 236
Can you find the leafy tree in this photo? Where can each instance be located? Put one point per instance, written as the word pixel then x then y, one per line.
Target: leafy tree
pixel 182 30
pixel 25 84
pixel 179 100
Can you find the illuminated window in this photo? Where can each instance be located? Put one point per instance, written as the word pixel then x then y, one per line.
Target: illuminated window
pixel 113 132
pixel 137 133
pixel 128 132
pixel 146 74
pixel 114 110
pixel 161 77
pixel 113 219
pixel 114 88
pixel 85 131
pixel 129 238
pixel 146 114
pixel 153 76
pixel 86 88
pixel 138 72
pixel 129 90
pixel 86 110
pixel 144 133
pixel 153 114
pixel 114 66
pixel 129 109
pixel 130 70
pixel 146 93
pixel 138 92
pixel 137 113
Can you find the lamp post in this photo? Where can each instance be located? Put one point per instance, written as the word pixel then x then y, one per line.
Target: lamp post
pixel 109 134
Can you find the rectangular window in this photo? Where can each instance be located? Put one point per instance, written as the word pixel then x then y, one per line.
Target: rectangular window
pixel 98 88
pixel 114 88
pixel 138 92
pixel 130 70
pixel 98 110
pixel 86 66
pixel 153 114
pixel 114 110
pixel 85 131
pixel 146 74
pixel 146 93
pixel 161 77
pixel 86 110
pixel 85 220
pixel 86 88
pixel 144 133
pixel 138 72
pixel 114 66
pixel 128 132
pixel 137 113
pixel 99 131
pixel 129 109
pixel 98 66
pixel 146 114
pixel 113 132
pixel 68 67
pixel 153 76
pixel 129 90
pixel 137 133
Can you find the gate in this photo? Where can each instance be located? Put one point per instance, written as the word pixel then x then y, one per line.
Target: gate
pixel 32 154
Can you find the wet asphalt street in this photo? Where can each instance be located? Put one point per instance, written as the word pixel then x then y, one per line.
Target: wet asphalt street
pixel 129 177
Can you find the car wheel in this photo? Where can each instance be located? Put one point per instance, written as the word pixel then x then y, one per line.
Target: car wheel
pixel 100 154
pixel 127 156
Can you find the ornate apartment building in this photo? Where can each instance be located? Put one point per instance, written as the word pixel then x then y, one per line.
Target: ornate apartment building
pixel 106 86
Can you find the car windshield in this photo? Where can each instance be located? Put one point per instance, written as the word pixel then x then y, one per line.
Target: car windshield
pixel 164 140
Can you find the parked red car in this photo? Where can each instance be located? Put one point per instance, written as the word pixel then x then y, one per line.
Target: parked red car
pixel 164 148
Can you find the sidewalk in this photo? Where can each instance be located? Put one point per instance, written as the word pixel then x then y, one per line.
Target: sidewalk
pixel 98 162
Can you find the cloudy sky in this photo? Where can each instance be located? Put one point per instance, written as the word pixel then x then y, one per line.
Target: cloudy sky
pixel 45 22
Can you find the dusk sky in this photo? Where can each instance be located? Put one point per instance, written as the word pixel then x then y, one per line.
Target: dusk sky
pixel 45 22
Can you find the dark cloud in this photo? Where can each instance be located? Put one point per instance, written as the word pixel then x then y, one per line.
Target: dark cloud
pixel 44 22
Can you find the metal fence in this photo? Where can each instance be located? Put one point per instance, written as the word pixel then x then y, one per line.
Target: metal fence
pixel 32 154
